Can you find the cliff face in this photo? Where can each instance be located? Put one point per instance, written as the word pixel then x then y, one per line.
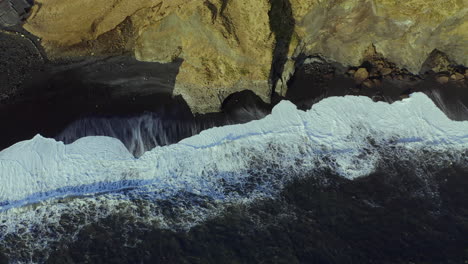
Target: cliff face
pixel 404 32
pixel 226 47
pixel 229 46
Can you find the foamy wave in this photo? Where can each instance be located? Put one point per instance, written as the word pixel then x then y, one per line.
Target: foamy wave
pixel 43 180
pixel 41 169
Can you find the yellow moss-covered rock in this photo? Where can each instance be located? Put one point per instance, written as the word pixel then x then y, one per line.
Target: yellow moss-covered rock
pixel 404 32
pixel 69 22
pixel 228 45
pixel 220 54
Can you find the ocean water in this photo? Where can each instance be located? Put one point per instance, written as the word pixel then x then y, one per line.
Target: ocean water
pixel 51 191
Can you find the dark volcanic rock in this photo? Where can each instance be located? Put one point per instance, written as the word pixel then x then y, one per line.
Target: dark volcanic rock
pixel 311 83
pixel 20 63
pixel 13 12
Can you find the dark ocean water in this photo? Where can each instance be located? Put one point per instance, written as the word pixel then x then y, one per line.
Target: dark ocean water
pixel 406 212
pixel 412 208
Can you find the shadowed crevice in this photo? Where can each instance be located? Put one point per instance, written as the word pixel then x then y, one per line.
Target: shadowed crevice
pixel 282 25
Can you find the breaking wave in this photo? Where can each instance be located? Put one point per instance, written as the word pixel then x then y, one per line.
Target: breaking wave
pixel 181 185
pixel 138 134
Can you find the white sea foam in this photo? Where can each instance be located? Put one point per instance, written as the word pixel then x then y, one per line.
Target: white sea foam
pixel 221 166
pixel 41 169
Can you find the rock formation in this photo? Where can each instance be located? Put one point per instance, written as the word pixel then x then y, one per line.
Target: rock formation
pixel 228 46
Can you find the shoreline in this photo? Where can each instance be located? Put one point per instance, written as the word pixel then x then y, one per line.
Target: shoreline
pixel 44 97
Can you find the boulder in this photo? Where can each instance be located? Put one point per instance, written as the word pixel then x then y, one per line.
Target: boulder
pixel 443 79
pixel 457 76
pixel 386 71
pixel 360 75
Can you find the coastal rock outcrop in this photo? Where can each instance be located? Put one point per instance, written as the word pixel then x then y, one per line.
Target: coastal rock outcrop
pixel 404 32
pixel 228 46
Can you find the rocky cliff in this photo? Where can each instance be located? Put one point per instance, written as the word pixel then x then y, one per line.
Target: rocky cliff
pixel 229 45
